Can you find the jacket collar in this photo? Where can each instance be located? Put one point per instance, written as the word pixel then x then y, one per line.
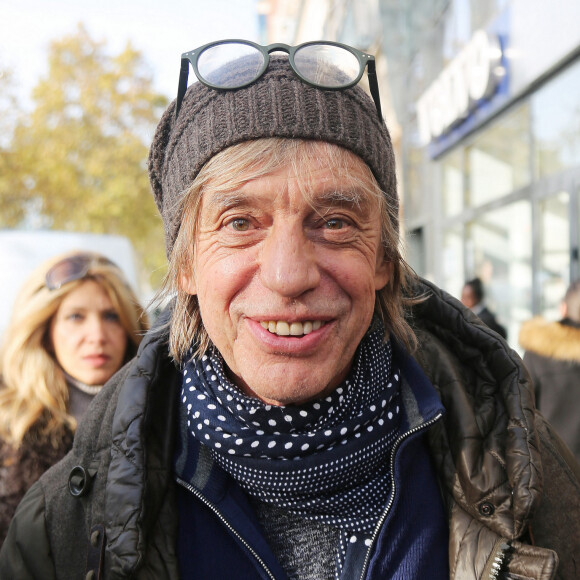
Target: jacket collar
pixel 557 340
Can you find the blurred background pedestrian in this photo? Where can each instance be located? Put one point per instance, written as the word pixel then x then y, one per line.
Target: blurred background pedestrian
pixel 75 322
pixel 552 356
pixel 472 296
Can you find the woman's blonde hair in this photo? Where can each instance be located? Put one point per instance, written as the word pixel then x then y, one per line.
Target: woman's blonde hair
pixel 33 389
pixel 228 171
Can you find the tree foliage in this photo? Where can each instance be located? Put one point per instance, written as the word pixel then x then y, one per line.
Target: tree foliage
pixel 79 158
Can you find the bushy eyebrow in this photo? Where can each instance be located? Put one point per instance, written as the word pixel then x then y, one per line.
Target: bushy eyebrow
pixel 325 199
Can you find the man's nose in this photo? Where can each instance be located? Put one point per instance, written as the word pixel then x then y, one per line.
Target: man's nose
pixel 288 263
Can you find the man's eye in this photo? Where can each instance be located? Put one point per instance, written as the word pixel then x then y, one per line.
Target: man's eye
pixel 240 225
pixel 334 224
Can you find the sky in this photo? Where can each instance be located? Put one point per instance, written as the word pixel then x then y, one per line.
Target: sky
pixel 160 29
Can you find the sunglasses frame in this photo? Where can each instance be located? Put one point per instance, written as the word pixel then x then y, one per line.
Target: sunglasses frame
pixel 84 261
pixel 365 60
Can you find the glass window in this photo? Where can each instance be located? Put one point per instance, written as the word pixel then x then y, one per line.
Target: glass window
pixel 453 272
pixel 556 123
pixel 499 243
pixel 452 186
pixel 553 275
pixel 498 162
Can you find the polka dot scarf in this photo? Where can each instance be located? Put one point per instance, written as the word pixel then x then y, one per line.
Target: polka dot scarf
pixel 326 460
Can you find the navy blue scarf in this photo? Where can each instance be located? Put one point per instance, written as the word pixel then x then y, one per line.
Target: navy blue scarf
pixel 326 460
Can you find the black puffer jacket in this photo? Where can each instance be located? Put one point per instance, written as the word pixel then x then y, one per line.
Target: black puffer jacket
pixel 511 487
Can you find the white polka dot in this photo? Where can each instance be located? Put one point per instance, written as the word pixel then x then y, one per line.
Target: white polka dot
pixel 255 443
pixel 213 378
pixel 187 381
pixel 231 451
pixel 218 444
pixel 368 542
pixel 316 406
pixel 305 447
pixel 287 418
pixel 343 431
pixel 288 445
pixel 272 422
pixel 352 539
pixel 271 444
pixel 303 414
pixel 208 368
pixel 239 441
pixel 221 418
pixel 212 407
pixel 328 432
pixel 389 415
pixel 201 397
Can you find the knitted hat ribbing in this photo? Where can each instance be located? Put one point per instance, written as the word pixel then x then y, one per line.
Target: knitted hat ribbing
pixel 279 104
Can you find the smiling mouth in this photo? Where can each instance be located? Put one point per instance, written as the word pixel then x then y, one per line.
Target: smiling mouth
pixel 283 328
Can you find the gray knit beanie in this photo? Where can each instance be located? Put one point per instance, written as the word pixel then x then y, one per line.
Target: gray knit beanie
pixel 279 104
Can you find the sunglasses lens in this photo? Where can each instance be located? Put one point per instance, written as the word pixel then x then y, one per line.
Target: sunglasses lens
pixel 66 271
pixel 327 65
pixel 230 65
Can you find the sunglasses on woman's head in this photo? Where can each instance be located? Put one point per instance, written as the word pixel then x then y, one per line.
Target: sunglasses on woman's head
pixel 73 268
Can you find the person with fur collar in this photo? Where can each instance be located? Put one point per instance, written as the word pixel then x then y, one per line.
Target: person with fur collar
pixel 553 359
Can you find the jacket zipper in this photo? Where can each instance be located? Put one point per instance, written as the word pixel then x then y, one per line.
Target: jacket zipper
pixel 393 490
pixel 217 512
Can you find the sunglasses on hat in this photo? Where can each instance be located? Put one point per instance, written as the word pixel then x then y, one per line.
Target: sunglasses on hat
pixel 234 64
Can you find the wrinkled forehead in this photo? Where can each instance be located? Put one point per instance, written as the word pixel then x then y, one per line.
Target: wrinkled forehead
pixel 314 165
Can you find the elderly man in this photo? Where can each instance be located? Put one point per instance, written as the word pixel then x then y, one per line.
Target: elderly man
pixel 306 407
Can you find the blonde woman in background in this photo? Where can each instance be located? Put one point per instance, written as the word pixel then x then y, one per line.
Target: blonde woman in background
pixel 75 323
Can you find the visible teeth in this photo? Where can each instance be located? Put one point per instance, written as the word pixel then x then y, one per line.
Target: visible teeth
pixel 296 329
pixel 283 328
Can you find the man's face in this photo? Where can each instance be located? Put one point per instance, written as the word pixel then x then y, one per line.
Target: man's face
pixel 286 286
pixel 468 296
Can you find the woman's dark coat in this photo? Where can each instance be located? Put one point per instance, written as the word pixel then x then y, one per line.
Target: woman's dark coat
pixel 511 488
pixel 21 467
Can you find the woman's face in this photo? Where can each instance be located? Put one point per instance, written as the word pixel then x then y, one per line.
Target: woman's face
pixel 87 336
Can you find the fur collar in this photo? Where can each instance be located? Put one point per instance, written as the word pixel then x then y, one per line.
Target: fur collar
pixel 551 339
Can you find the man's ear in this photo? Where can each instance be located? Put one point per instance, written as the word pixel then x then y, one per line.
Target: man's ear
pixel 187 283
pixel 383 273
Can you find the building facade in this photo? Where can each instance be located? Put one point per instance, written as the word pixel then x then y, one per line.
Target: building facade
pixel 484 106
